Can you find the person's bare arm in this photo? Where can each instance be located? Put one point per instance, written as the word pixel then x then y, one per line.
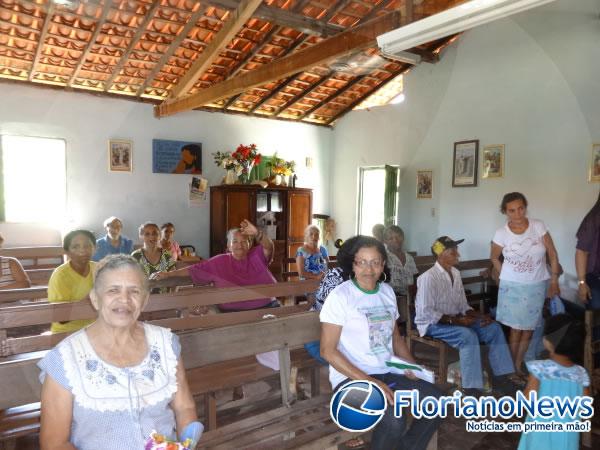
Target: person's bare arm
pixel 183 273
pixel 330 337
pixel 495 253
pixel 533 384
pixel 553 289
pixel 56 416
pixel 183 404
pixel 400 348
pixel 19 275
pixel 249 229
pixel 583 290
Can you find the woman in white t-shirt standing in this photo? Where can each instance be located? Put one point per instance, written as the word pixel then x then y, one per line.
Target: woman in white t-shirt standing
pixel 359 334
pixel 523 243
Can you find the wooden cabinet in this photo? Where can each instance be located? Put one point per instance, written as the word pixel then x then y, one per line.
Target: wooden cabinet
pixel 230 204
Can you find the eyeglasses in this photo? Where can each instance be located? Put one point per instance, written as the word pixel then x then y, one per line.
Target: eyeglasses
pixel 374 264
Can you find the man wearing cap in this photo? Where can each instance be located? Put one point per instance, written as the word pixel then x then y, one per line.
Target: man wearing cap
pixel 442 312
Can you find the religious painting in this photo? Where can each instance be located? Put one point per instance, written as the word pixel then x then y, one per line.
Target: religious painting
pixel 120 155
pixel 179 157
pixel 424 183
pixel 493 161
pixel 594 171
pixel 464 167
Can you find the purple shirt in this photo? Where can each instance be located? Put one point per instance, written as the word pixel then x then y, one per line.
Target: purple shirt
pixel 226 271
pixel 588 240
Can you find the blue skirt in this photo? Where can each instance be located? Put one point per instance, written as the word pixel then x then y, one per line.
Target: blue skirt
pixel 520 304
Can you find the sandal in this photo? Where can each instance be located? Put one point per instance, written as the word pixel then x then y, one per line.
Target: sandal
pixel 355 443
pixel 519 380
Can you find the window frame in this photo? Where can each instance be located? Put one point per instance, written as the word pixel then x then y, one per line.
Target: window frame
pixel 361 171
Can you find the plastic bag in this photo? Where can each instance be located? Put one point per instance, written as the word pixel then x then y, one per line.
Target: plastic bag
pixel 556 306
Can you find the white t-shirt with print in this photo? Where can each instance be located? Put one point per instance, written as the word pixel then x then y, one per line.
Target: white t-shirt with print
pixel 367 321
pixel 524 254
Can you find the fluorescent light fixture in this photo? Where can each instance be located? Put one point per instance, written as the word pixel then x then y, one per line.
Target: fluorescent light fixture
pixel 405 57
pixel 453 20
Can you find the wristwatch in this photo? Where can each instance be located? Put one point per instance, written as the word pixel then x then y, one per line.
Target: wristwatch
pixel 581 282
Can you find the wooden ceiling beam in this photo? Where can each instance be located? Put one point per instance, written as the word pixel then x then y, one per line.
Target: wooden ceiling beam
pixel 230 28
pixel 97 29
pixel 173 46
pixel 331 96
pixel 343 44
pixel 286 18
pixel 132 43
pixel 43 34
pixel 303 94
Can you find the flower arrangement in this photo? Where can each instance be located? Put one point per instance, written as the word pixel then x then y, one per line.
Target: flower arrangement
pixel 279 166
pixel 241 160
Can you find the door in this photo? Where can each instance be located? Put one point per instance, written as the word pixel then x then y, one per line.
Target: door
pixel 299 217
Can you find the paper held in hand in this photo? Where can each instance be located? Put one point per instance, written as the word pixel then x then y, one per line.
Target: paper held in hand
pixel 398 366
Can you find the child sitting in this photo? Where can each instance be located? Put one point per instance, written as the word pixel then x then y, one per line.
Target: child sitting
pixel 558 376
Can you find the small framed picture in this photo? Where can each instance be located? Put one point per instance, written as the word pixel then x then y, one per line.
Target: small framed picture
pixel 424 183
pixel 493 161
pixel 464 167
pixel 120 154
pixel 594 171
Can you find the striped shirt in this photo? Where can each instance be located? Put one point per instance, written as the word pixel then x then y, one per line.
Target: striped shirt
pixel 437 295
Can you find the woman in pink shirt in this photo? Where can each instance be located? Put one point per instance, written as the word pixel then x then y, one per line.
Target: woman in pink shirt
pixel 242 265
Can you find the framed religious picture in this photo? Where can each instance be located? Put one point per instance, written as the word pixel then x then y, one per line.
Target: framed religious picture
pixel 493 161
pixel 594 170
pixel 181 157
pixel 120 155
pixel 464 167
pixel 424 183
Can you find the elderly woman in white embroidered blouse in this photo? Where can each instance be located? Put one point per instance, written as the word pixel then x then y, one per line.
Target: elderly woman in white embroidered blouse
pixel 113 383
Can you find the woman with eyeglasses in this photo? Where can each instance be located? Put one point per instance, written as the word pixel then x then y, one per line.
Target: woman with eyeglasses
pixel 113 383
pixel 359 334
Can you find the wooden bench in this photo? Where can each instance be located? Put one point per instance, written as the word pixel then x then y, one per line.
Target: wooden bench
pixel 21 420
pixel 476 299
pixel 295 424
pixel 46 257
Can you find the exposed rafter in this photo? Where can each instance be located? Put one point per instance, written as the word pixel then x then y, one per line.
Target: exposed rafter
pixel 40 46
pixel 230 28
pixel 337 46
pixel 92 41
pixel 134 40
pixel 181 35
pixel 286 18
pixel 351 106
pixel 303 94
pixel 330 97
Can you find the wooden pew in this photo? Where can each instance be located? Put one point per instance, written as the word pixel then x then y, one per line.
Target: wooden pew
pixel 301 424
pixel 46 257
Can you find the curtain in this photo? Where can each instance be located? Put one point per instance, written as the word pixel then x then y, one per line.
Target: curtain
pixel 390 195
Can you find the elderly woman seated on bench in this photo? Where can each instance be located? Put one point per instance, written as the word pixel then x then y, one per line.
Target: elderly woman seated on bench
pixel 242 265
pixel 113 383
pixel 359 334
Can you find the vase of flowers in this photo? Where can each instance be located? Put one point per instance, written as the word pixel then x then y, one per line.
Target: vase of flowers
pixel 240 162
pixel 280 169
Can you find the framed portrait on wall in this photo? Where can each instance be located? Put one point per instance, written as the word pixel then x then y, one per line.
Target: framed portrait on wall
pixel 594 170
pixel 180 157
pixel 120 155
pixel 424 183
pixel 464 166
pixel 493 161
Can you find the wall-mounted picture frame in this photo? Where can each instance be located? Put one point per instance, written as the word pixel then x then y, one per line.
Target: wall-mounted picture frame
pixel 492 164
pixel 424 183
pixel 594 170
pixel 120 155
pixel 464 165
pixel 179 157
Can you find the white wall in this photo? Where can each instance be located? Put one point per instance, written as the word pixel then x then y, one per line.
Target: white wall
pixel 87 122
pixel 530 82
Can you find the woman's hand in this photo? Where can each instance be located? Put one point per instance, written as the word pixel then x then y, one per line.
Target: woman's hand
pixel 410 375
pixel 159 276
pixel 247 228
pixel 387 391
pixel 553 289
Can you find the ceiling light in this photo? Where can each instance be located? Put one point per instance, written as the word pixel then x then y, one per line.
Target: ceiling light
pixel 451 21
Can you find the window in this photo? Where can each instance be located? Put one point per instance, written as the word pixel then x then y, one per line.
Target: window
pixel 33 180
pixel 377 197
